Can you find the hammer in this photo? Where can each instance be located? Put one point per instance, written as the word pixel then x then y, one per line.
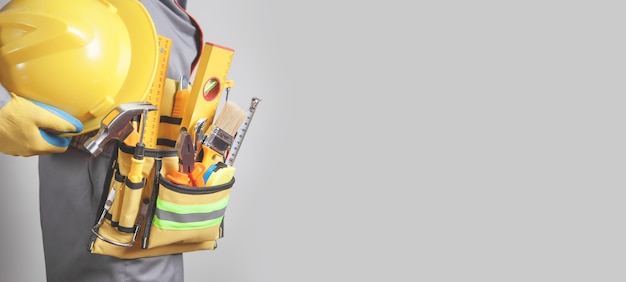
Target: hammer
pixel 116 125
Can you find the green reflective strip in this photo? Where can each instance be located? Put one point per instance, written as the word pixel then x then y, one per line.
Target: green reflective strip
pixel 171 225
pixel 185 209
pixel 171 216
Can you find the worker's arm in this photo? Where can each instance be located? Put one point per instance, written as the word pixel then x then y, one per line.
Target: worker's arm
pixel 5 97
pixel 30 128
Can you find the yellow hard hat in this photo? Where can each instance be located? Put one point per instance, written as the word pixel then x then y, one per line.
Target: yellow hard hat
pixel 82 56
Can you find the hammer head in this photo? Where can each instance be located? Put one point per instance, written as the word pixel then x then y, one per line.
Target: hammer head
pixel 116 125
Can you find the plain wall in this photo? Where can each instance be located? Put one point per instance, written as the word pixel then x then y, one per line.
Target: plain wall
pixel 407 141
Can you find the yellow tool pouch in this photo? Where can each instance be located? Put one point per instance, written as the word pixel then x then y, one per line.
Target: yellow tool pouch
pixel 156 216
pixel 145 210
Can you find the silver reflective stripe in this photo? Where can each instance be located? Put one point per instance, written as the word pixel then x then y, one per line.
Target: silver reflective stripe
pixel 190 217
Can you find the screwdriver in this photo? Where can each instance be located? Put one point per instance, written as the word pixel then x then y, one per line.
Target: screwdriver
pixel 132 195
pixel 136 168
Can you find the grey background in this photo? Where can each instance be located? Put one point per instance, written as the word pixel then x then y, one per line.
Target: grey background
pixel 407 141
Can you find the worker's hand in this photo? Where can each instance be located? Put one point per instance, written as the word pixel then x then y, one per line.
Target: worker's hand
pixel 30 128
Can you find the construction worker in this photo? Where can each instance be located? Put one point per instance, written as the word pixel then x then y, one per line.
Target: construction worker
pixel 32 123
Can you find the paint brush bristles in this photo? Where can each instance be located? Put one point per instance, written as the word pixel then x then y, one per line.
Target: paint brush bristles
pixel 230 118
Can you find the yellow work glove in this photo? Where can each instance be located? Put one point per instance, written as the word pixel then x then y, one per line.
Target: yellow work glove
pixel 30 128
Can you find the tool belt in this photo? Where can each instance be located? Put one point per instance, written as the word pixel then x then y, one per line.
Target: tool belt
pixel 156 216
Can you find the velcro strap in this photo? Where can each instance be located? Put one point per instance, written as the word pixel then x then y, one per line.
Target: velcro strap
pixel 151 153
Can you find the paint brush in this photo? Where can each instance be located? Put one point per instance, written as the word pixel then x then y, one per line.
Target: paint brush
pixel 241 133
pixel 230 118
pixel 219 136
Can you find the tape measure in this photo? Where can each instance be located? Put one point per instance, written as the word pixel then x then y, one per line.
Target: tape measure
pixel 241 132
pixel 155 95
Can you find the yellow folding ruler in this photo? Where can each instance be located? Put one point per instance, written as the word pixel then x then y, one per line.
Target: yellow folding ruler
pixel 155 94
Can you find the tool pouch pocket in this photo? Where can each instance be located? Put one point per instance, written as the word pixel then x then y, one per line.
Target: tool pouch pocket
pixel 187 214
pixel 156 216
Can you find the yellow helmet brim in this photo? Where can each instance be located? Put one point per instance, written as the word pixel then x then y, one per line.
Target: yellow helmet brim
pixel 144 55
